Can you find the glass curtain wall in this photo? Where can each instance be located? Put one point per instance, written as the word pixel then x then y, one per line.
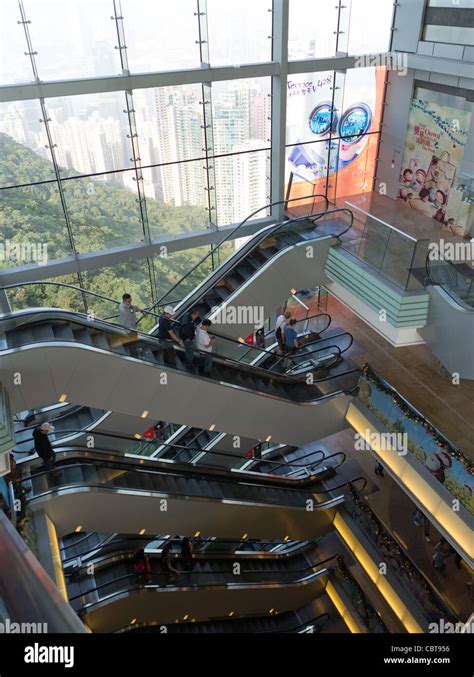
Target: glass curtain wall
pixel 112 170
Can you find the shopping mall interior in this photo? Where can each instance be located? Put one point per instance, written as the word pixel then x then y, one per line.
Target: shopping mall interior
pixel 236 317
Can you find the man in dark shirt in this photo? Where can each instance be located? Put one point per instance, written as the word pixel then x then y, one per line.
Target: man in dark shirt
pixel 187 332
pixel 167 333
pixel 43 446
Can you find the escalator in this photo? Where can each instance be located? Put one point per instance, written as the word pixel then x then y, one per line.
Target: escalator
pixel 245 583
pixel 247 277
pixel 64 417
pixel 92 362
pixel 301 621
pixel 451 311
pixel 96 491
pixel 72 422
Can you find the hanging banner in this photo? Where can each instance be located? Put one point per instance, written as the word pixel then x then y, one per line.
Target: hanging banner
pixel 331 123
pixel 434 149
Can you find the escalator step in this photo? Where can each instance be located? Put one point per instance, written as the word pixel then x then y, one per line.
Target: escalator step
pixel 100 341
pixel 63 331
pixel 42 332
pixel 83 336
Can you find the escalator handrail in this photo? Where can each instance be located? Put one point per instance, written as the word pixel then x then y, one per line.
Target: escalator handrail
pixel 306 624
pixel 123 553
pixel 325 615
pixel 312 465
pixel 330 338
pixel 459 301
pixel 279 358
pixel 180 447
pixel 230 236
pixel 56 418
pixel 203 540
pixel 309 568
pixel 254 243
pixel 270 353
pixel 205 473
pixel 283 463
pixel 145 311
pixel 265 480
pixel 262 235
pixel 264 350
pixel 148 338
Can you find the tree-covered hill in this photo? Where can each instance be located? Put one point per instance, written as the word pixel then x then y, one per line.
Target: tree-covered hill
pixel 102 215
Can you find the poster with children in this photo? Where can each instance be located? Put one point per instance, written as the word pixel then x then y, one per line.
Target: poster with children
pixel 434 149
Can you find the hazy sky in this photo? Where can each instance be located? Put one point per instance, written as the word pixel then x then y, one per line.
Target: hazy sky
pixel 77 38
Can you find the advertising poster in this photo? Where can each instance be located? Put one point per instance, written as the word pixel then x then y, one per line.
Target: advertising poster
pixel 331 120
pixel 444 467
pixel 434 149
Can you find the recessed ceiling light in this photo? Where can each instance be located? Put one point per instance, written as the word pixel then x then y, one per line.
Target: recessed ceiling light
pixel 133 621
pixel 231 613
pixel 137 436
pixel 212 427
pixel 63 397
pixel 141 532
pixel 268 438
pixel 245 536
pixel 77 529
pixel 144 413
pixel 198 533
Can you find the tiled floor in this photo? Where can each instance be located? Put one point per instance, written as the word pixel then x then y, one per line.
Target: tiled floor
pixel 395 509
pixel 417 375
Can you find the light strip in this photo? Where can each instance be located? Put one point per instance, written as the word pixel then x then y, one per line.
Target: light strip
pixel 418 487
pixel 344 612
pixel 372 570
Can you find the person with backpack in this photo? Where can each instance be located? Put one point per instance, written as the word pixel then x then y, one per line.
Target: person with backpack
pixel 187 333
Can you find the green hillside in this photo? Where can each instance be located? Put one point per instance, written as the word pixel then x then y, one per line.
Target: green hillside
pixel 102 215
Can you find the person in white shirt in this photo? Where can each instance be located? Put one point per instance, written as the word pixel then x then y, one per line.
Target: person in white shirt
pixel 205 343
pixel 280 324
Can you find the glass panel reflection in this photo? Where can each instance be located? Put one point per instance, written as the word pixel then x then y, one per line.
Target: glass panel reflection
pixel 15 66
pixel 161 36
pixel 239 32
pixel 73 39
pixel 312 29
